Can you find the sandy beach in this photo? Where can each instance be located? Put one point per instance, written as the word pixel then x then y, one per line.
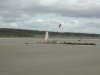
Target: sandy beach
pixel 18 58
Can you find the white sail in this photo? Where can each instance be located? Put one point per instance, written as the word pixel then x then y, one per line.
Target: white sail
pixel 46 36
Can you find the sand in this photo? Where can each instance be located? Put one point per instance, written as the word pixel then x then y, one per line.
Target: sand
pixel 18 58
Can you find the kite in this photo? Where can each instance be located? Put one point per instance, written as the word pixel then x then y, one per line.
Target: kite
pixel 59 25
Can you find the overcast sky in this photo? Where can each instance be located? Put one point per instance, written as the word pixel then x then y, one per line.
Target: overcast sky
pixel 74 15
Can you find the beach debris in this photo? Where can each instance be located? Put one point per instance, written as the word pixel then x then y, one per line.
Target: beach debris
pixel 79 40
pixel 52 42
pixel 67 43
pixel 72 43
pixel 27 43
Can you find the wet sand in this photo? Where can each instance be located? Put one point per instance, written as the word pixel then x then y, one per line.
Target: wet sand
pixel 18 58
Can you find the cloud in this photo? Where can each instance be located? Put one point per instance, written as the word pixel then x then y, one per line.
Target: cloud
pixel 74 15
pixel 46 3
pixel 71 8
pixel 39 20
pixel 13 25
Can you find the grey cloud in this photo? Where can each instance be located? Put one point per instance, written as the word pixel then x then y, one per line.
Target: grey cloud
pixel 53 11
pixel 88 27
pixel 93 25
pixel 63 7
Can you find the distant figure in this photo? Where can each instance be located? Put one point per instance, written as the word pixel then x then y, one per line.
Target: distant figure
pixel 46 37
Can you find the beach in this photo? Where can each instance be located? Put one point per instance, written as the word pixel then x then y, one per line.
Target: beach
pixel 19 58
